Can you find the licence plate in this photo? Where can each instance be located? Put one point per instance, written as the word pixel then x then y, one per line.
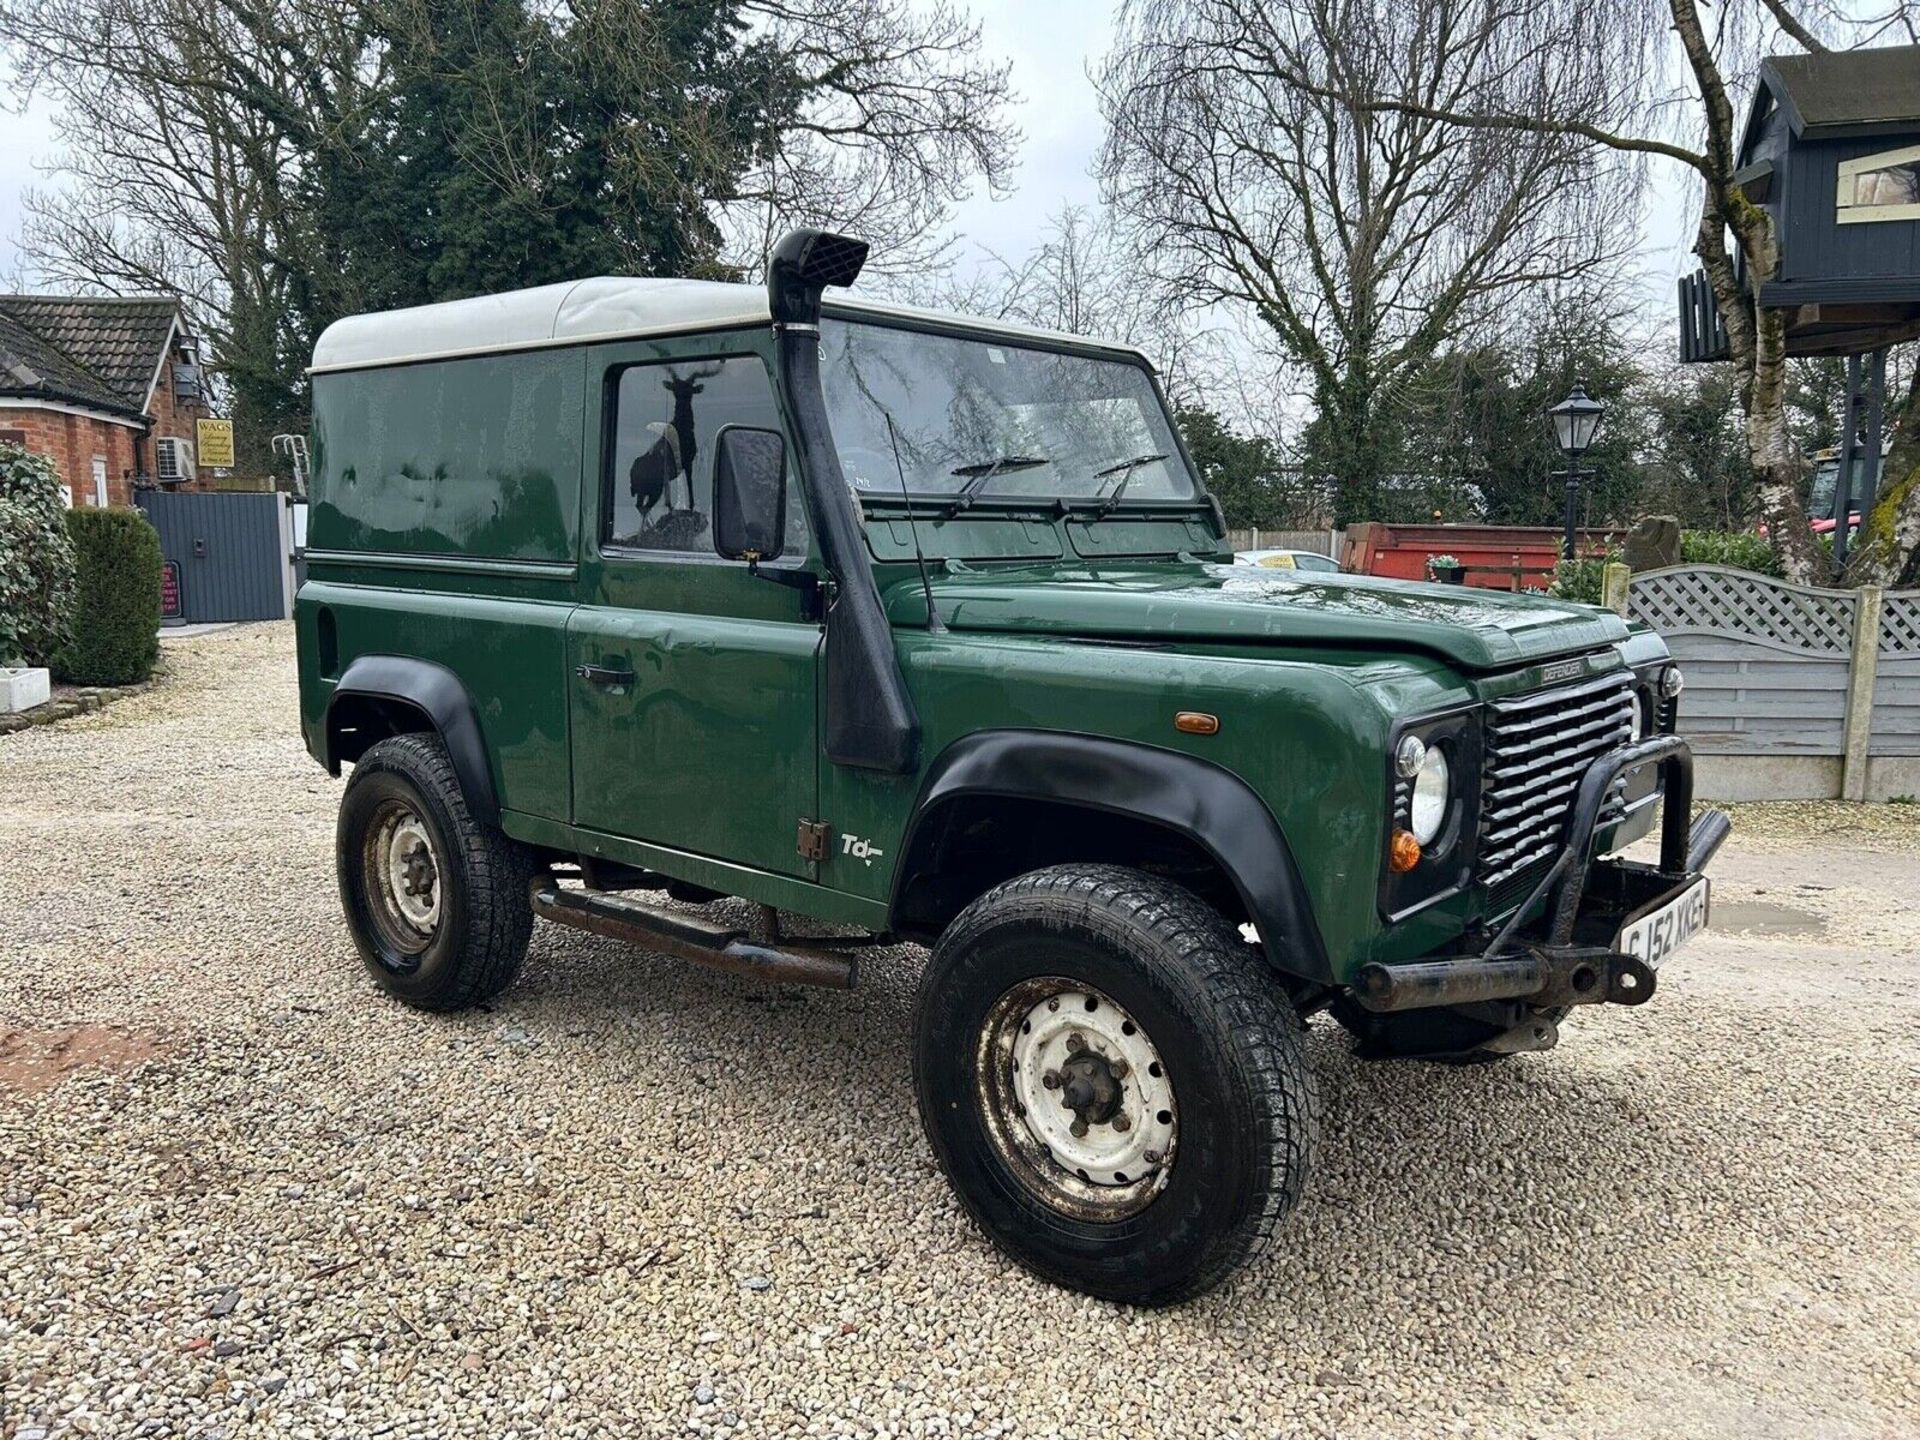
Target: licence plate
pixel 1657 933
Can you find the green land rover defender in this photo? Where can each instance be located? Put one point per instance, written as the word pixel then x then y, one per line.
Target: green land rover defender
pixel 905 626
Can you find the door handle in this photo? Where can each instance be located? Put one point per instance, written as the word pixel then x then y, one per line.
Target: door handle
pixel 605 675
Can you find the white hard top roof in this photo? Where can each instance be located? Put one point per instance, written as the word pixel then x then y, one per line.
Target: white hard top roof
pixel 606 307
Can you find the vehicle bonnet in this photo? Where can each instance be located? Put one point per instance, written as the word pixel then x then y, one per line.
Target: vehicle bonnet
pixel 1207 603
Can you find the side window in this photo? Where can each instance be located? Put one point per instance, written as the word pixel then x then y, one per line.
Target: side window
pixel 665 418
pixel 1884 186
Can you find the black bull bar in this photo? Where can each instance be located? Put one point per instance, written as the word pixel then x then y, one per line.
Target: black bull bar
pixel 1570 960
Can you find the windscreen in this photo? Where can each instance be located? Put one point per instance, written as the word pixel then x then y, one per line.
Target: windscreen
pixel 994 421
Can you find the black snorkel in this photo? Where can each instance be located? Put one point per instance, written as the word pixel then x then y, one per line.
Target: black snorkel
pixel 870 719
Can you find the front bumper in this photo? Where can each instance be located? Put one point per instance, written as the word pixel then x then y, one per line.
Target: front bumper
pixel 1557 948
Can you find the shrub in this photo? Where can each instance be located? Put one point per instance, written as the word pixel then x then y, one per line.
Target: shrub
pixel 116 619
pixel 36 557
pixel 1583 579
pixel 1741 549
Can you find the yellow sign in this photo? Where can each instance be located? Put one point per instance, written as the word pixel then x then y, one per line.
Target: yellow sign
pixel 216 444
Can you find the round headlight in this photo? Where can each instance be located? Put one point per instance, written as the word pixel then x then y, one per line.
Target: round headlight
pixel 1431 783
pixel 1408 755
pixel 1672 682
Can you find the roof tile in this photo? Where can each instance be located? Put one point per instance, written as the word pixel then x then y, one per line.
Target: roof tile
pixel 1852 87
pixel 30 367
pixel 116 340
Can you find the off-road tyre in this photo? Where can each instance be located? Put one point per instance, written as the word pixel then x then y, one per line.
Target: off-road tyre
pixel 1448 1035
pixel 1248 1109
pixel 474 947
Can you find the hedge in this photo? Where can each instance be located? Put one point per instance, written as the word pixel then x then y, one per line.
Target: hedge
pixel 1742 549
pixel 36 558
pixel 116 614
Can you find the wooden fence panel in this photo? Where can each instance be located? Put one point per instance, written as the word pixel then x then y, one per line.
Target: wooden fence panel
pixel 1719 600
pixel 1896 688
pixel 1766 662
pixel 1741 700
pixel 1896 708
pixel 1780 672
pixel 1321 542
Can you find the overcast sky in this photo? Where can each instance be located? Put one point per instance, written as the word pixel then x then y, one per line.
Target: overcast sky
pixel 26 140
pixel 1051 47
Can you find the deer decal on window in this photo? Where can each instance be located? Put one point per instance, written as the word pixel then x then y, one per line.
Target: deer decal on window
pixel 675 446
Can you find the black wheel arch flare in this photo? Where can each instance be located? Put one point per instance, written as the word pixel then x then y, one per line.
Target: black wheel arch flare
pixel 1193 798
pixel 437 693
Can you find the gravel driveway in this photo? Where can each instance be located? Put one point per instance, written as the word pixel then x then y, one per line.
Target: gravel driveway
pixel 243 1194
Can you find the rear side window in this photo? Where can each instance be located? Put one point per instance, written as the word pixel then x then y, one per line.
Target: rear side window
pixel 659 484
pixel 477 457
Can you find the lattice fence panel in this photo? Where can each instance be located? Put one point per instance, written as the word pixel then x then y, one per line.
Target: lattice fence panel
pixel 1737 602
pixel 1900 623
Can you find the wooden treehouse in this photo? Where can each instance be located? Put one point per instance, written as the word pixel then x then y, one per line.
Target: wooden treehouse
pixel 1831 150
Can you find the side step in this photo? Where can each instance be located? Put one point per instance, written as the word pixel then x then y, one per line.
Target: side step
pixel 690 937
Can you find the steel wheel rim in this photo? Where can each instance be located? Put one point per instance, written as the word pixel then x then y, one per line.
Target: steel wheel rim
pixel 1076 1099
pixel 400 864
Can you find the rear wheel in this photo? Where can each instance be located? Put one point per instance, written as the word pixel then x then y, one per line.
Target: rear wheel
pixel 1113 1082
pixel 1451 1035
pixel 436 900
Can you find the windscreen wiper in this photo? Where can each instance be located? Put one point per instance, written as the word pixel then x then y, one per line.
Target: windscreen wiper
pixel 979 474
pixel 1125 471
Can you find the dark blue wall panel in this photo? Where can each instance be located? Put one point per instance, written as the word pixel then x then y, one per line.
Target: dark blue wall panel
pixel 1814 244
pixel 227 546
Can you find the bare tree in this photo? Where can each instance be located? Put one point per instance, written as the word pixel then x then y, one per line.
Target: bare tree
pixel 892 115
pixel 1073 279
pixel 1247 145
pixel 183 125
pixel 1887 549
pixel 200 135
pixel 1084 276
pixel 1673 100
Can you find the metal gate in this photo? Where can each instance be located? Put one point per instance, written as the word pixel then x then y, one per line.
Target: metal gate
pixel 227 554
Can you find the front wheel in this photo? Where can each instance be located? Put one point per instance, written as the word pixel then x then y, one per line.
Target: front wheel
pixel 1113 1082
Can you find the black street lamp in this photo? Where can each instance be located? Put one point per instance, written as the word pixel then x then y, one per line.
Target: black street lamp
pixel 1576 420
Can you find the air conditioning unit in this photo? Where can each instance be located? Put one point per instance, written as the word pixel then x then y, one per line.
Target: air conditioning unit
pixel 172 460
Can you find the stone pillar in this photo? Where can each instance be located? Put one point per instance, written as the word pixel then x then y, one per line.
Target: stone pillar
pixel 1613 587
pixel 1653 543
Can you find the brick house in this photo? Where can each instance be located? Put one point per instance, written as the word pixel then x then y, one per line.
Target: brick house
pixel 108 387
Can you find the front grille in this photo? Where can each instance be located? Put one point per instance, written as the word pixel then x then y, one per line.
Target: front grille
pixel 1538 747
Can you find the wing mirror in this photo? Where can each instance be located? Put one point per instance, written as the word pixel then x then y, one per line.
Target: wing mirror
pixel 749 494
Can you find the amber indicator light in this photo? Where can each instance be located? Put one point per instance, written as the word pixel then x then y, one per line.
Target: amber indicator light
pixel 1196 722
pixel 1404 853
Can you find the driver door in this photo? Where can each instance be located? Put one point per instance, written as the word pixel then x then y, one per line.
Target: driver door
pixel 692 682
